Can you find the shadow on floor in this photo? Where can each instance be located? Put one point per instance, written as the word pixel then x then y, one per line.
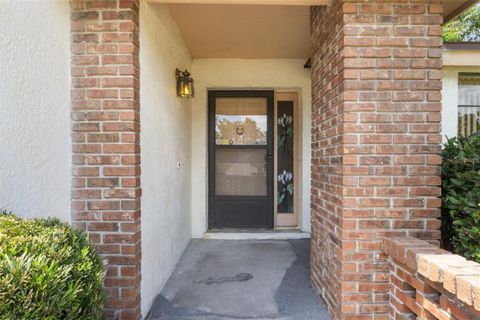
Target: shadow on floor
pixel 222 280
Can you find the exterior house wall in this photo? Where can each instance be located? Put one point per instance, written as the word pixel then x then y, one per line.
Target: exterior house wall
pixel 380 176
pixel 243 74
pixel 165 142
pixel 35 143
pixel 376 81
pixel 449 102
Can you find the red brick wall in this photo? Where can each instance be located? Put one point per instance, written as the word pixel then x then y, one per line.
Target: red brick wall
pixel 327 91
pixel 375 143
pixel 431 283
pixel 106 142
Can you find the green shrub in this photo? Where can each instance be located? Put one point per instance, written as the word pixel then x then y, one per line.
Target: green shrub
pixel 48 271
pixel 461 196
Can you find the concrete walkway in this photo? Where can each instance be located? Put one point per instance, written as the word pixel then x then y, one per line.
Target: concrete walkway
pixel 222 279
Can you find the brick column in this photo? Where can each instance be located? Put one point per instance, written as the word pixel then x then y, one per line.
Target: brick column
pixel 375 143
pixel 106 148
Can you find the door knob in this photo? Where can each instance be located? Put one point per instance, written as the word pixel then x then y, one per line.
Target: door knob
pixel 268 156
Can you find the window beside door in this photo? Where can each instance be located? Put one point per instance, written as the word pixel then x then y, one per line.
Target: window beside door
pixel 468 103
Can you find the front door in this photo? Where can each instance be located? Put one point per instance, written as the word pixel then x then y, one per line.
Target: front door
pixel 240 159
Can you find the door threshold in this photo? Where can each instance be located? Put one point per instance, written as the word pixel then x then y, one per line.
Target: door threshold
pixel 245 234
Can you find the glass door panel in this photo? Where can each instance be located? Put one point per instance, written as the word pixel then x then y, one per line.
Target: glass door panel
pixel 241 121
pixel 240 159
pixel 240 172
pixel 286 160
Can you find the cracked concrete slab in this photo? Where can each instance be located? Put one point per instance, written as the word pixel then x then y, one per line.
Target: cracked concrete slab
pixel 222 280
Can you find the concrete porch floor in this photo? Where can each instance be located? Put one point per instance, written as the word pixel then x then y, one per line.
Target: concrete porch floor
pixel 233 279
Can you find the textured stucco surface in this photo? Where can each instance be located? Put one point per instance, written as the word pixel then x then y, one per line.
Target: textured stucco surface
pixel 35 108
pixel 273 74
pixel 165 144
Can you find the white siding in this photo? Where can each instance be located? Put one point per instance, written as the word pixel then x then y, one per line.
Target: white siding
pixel 449 102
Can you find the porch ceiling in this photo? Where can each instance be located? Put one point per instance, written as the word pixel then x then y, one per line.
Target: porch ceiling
pixel 226 29
pixel 244 31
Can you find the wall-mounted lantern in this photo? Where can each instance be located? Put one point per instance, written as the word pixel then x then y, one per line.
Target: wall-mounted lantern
pixel 184 84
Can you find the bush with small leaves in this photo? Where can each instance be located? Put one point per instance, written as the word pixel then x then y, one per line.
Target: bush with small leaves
pixel 48 271
pixel 461 196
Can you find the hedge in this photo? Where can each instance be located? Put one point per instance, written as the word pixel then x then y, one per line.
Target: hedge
pixel 48 270
pixel 461 196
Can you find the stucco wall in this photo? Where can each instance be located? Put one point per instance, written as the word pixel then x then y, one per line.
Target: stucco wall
pixel 244 74
pixel 35 147
pixel 450 98
pixel 165 144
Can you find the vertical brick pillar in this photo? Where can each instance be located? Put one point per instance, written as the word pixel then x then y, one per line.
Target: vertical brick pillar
pixel 375 143
pixel 106 148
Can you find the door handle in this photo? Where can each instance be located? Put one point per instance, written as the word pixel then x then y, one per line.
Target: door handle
pixel 268 155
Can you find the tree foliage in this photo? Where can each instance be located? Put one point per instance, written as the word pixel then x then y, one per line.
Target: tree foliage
pixel 465 27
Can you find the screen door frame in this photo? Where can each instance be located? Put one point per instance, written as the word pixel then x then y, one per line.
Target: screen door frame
pixel 213 222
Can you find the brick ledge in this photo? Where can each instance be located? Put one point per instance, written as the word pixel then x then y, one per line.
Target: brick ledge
pixel 452 272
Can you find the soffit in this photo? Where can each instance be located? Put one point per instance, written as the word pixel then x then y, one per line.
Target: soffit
pixel 254 31
pixel 452 8
pixel 244 31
